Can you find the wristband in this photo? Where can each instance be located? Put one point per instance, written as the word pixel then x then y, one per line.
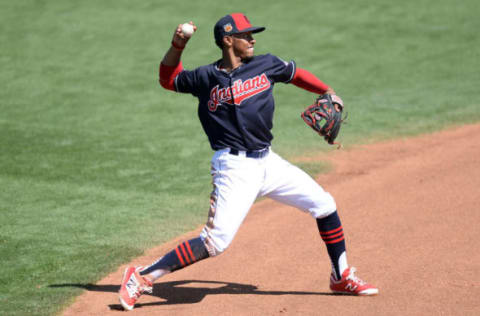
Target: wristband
pixel 176 46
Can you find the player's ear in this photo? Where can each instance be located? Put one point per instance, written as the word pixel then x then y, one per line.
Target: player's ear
pixel 227 41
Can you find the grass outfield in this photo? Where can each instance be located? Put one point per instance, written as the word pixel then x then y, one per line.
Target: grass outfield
pixel 98 163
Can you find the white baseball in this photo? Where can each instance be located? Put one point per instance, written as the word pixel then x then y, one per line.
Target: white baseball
pixel 187 29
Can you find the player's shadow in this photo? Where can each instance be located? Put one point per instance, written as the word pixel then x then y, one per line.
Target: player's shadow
pixel 188 291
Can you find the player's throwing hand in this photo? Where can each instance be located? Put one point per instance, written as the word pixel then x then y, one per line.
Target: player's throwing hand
pixel 182 34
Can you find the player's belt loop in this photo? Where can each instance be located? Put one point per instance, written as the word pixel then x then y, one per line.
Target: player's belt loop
pixel 251 153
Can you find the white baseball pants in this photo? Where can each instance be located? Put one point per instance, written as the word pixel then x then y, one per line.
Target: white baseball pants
pixel 239 180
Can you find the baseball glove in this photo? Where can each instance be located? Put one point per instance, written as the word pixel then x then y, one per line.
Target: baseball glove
pixel 325 116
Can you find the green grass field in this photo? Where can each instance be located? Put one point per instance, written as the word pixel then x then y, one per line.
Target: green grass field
pixel 99 163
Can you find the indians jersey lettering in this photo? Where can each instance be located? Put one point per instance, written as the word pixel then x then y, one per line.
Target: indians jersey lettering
pixel 236 109
pixel 241 90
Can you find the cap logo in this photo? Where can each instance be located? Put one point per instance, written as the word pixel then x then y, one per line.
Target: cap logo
pixel 228 27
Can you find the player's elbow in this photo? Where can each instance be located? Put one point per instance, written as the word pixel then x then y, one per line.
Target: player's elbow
pixel 168 74
pixel 167 84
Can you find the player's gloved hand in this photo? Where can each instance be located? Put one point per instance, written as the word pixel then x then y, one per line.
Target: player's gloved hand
pixel 179 39
pixel 325 117
pixel 335 98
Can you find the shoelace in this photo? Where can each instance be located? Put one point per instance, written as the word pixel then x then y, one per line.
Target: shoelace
pixel 351 276
pixel 142 289
pixel 146 288
pixel 137 294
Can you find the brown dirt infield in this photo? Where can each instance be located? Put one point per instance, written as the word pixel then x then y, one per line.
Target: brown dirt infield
pixel 410 211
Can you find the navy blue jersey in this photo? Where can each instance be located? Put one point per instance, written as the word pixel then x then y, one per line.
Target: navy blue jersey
pixel 236 108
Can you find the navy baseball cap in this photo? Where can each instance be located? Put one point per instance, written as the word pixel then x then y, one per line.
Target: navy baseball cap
pixel 233 24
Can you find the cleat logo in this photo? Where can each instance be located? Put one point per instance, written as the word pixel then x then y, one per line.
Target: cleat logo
pixel 131 286
pixel 240 89
pixel 351 287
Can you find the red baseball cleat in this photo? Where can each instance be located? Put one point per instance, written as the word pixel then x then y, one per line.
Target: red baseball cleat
pixel 133 286
pixel 351 285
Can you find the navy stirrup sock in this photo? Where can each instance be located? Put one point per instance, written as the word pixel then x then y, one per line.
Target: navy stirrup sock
pixel 184 255
pixel 331 231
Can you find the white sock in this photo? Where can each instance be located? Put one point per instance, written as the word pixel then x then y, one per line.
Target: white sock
pixel 342 264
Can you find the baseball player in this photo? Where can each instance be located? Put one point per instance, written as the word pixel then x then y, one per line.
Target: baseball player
pixel 235 107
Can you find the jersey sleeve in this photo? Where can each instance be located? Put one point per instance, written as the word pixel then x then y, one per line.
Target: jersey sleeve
pixel 187 82
pixel 281 70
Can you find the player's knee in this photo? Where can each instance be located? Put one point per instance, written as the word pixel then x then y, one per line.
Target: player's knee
pixel 214 246
pixel 324 207
pixel 213 249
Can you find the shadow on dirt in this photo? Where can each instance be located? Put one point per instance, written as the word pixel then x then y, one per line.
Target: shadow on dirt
pixel 187 291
